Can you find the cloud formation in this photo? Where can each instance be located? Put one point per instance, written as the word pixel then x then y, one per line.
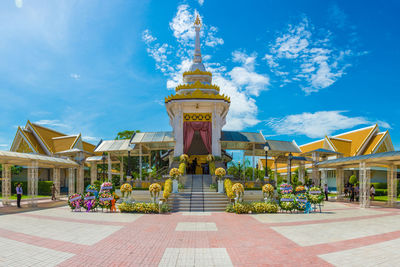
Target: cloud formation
pixel 315 125
pixel 19 3
pixel 307 56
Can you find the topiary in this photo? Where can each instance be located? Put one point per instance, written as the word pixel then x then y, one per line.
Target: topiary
pixel 353 179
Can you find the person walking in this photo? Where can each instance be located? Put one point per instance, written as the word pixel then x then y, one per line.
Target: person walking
pixel 19 194
pixel 53 192
pixel 326 190
pixel 372 192
pixel 351 193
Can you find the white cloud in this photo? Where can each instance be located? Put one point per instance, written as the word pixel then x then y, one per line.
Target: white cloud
pixel 52 123
pixel 19 3
pixel 91 138
pixel 305 56
pixel 182 25
pixel 201 2
pixel 147 37
pixel 384 124
pixel 3 145
pixel 75 76
pixel 316 124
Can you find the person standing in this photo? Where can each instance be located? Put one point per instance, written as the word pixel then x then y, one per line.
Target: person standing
pixel 372 192
pixel 351 193
pixel 53 192
pixel 326 190
pixel 19 194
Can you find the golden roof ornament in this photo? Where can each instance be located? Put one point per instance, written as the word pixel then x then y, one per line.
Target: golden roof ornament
pixel 197 22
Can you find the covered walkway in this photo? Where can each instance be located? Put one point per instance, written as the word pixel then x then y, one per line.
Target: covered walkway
pixel 390 160
pixel 33 162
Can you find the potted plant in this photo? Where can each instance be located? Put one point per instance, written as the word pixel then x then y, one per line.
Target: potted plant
pixel 175 173
pixel 220 173
pixel 155 191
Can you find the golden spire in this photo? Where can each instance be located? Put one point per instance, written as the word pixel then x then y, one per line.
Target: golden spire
pixel 197 22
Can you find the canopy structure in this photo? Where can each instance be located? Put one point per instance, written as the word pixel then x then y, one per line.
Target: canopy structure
pixel 153 140
pixel 120 147
pixel 25 159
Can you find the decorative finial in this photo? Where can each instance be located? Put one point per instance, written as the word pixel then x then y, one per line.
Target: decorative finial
pixel 197 22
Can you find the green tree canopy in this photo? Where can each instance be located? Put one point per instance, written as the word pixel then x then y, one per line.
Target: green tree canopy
pixel 125 134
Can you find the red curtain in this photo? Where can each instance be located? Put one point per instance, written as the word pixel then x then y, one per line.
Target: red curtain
pixel 204 127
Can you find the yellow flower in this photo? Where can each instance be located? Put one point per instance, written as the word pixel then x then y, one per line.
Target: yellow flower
pixel 155 188
pixel 220 172
pixel 238 188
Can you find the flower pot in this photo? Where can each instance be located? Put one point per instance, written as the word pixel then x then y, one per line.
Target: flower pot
pixel 174 186
pixel 220 186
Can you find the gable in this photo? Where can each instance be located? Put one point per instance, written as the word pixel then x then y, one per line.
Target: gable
pixel 312 146
pixel 63 143
pixel 343 146
pixel 46 135
pixel 358 138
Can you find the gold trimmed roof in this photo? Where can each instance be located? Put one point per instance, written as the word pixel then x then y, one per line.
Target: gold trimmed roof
pixel 197 85
pixel 64 143
pixel 198 94
pixel 358 138
pixel 375 140
pixel 197 72
pixel 342 146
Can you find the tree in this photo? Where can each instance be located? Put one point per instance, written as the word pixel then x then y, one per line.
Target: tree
pixel 125 134
pixel 353 179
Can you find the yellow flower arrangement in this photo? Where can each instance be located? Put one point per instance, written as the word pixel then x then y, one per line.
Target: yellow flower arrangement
pixel 155 188
pixel 184 158
pixel 167 188
pixel 268 190
pixel 126 188
pixel 182 168
pixel 174 173
pixel 220 172
pixel 210 158
pixel 238 188
pixel 228 189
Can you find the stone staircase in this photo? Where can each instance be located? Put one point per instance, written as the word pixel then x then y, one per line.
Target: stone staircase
pixel 197 196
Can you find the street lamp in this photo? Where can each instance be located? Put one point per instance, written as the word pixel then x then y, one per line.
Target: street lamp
pixel 266 149
pixel 290 167
pixel 239 168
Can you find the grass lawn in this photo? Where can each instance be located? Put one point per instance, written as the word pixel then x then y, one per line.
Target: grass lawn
pixel 23 196
pixel 383 198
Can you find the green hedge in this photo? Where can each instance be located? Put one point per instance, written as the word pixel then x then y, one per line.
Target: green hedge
pixel 380 185
pixel 380 192
pixel 44 188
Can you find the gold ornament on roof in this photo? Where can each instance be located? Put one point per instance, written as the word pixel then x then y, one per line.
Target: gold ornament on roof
pixel 197 72
pixel 198 94
pixel 197 22
pixel 197 85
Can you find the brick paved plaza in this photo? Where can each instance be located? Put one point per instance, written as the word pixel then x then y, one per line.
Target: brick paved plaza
pixel 342 235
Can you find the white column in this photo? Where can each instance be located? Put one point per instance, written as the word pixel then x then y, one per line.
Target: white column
pixel 71 180
pixel 140 161
pixel 56 181
pixel 315 170
pixel 121 170
pixel 93 172
pixel 109 166
pixel 324 177
pixel 392 185
pixel 339 183
pixel 301 172
pixel 254 159
pixel 33 179
pixel 364 188
pixel 6 185
pixel 288 170
pixel 80 180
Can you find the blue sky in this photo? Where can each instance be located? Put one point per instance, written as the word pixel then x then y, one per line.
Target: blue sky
pixel 294 69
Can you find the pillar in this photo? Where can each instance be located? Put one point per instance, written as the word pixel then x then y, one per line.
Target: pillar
pixel 80 180
pixel 254 156
pixel 56 181
pixel 340 183
pixel 121 170
pixel 324 177
pixel 315 171
pixel 276 171
pixel 301 172
pixel 392 185
pixel 6 185
pixel 140 161
pixel 71 180
pixel 365 181
pixel 33 180
pixel 93 172
pixel 109 166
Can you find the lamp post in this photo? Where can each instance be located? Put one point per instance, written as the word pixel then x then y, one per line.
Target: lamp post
pixel 290 168
pixel 239 168
pixel 266 149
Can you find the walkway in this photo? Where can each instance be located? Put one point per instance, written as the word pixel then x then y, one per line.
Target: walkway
pixel 343 235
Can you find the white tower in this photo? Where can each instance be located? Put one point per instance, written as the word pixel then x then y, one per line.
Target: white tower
pixel 197 100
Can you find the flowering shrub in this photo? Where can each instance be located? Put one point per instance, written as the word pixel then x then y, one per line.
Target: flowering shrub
pixel 285 189
pixel 91 188
pixel 228 189
pixel 301 201
pixel 174 173
pixel 105 200
pixel 268 190
pixel 155 188
pixel 300 189
pixel 182 168
pixel 139 207
pixel 288 202
pixel 167 188
pixel 75 201
pixel 238 188
pixel 184 158
pixel 262 207
pixel 249 184
pixel 210 158
pixel 315 195
pixel 90 202
pixel 242 208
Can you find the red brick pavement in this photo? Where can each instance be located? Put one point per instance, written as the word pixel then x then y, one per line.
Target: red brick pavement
pixel 248 242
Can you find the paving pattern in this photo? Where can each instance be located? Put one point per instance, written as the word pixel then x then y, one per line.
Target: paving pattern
pixel 343 235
